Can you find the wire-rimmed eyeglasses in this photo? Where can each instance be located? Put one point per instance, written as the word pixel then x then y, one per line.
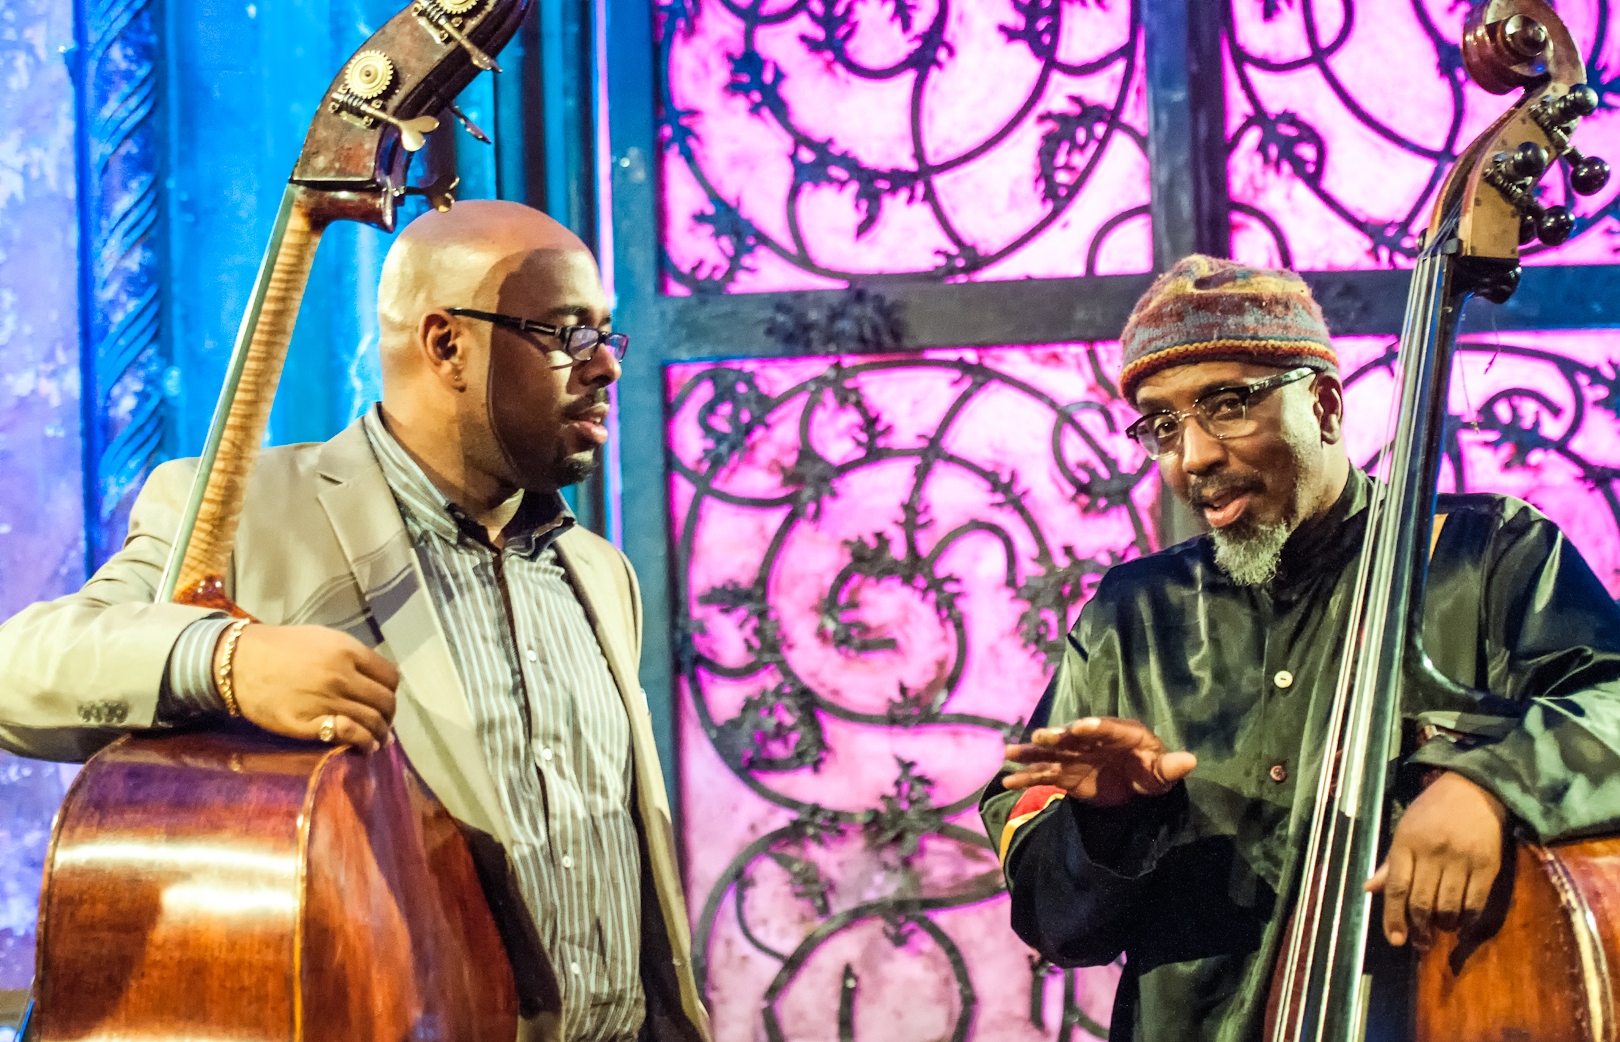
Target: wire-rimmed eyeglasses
pixel 1223 414
pixel 578 342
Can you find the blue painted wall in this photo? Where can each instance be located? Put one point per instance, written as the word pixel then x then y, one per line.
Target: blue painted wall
pixel 41 483
pixel 244 80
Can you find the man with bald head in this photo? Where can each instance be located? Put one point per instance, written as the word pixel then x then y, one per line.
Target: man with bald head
pixel 420 573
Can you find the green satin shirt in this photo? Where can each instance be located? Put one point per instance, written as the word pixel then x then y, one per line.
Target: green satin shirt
pixel 1186 885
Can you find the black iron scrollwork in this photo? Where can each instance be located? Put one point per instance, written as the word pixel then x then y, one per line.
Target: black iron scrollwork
pixel 1287 141
pixel 1526 422
pixel 781 727
pixel 1072 142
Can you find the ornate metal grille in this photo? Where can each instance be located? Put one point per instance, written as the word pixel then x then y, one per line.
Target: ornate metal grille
pixel 1342 119
pixel 1534 415
pixel 878 558
pixel 811 143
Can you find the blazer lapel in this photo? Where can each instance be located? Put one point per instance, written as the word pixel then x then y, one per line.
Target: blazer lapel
pixel 432 718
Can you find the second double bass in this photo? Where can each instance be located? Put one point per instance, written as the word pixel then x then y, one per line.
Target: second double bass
pixel 1542 960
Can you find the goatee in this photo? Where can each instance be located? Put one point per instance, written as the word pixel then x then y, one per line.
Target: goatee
pixel 1251 557
pixel 572 470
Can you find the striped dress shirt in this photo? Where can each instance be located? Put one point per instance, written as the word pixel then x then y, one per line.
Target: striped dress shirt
pixel 554 730
pixel 549 717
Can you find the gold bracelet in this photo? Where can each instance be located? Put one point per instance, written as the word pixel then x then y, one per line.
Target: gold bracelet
pixel 223 675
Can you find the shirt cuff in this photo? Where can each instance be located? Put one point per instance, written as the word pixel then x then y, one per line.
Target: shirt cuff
pixel 189 691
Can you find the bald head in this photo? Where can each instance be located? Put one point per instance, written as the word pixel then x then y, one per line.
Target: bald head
pixel 463 257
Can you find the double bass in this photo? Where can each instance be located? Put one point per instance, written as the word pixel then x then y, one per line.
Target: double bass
pixel 230 883
pixel 1542 964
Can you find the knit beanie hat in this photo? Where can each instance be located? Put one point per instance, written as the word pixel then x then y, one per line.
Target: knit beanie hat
pixel 1206 309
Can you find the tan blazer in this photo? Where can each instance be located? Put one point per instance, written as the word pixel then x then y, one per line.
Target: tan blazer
pixel 322 542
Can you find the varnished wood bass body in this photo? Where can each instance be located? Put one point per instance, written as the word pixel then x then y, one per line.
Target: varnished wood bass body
pixel 235 885
pixel 1541 965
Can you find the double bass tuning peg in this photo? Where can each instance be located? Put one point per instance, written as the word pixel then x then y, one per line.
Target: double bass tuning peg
pixel 1587 174
pixel 1553 225
pixel 1581 101
pixel 1528 162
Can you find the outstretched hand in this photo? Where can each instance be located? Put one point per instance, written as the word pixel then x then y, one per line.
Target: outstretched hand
pixel 290 679
pixel 1104 761
pixel 1442 861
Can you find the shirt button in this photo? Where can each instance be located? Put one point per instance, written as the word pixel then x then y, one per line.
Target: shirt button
pixel 1283 678
pixel 567 861
pixel 545 754
pixel 532 657
pixel 573 967
pixel 1279 773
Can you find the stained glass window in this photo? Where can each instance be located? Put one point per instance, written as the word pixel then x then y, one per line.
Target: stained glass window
pixel 878 560
pixel 1343 118
pixel 813 142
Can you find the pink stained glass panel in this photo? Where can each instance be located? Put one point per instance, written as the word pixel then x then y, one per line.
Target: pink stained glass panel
pixel 1534 416
pixel 877 559
pixel 1342 119
pixel 811 144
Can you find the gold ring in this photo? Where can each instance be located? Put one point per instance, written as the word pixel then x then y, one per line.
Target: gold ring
pixel 328 729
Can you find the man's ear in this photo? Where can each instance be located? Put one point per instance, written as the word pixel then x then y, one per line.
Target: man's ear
pixel 1329 406
pixel 437 339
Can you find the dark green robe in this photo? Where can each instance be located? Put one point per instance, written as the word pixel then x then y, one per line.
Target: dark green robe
pixel 1186 885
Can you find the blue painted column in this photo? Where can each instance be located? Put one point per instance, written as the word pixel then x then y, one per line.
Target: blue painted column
pixel 41 483
pixel 123 361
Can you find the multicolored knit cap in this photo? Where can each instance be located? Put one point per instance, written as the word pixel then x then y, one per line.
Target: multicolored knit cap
pixel 1210 310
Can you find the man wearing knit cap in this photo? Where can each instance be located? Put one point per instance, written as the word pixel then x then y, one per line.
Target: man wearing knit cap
pixel 1151 809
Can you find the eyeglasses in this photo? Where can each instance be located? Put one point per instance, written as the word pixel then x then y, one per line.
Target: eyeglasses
pixel 578 342
pixel 1223 414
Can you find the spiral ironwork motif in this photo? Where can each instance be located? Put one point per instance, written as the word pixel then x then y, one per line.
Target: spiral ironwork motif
pixel 995 128
pixel 922 529
pixel 1345 115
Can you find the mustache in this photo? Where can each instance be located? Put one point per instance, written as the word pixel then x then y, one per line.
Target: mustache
pixel 1205 492
pixel 586 404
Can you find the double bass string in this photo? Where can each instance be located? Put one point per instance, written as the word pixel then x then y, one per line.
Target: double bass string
pixel 1322 961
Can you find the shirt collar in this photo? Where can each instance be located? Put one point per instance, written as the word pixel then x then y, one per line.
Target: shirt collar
pixel 1328 542
pixel 540 519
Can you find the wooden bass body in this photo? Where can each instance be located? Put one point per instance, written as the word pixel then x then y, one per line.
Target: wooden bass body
pixel 244 886
pixel 1540 966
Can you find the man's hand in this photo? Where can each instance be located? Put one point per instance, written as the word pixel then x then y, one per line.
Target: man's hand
pixel 1101 760
pixel 1442 861
pixel 289 679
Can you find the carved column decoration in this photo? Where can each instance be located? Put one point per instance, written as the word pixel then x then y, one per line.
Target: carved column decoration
pixel 123 358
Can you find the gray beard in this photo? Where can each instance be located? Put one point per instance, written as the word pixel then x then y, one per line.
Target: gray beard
pixel 1251 553
pixel 1251 557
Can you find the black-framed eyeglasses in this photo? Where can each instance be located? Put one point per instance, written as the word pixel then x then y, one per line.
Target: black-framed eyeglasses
pixel 1223 414
pixel 578 342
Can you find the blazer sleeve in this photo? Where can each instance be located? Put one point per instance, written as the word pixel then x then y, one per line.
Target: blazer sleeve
pixel 78 671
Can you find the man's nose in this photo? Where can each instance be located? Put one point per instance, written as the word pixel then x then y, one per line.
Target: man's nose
pixel 600 369
pixel 1200 450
